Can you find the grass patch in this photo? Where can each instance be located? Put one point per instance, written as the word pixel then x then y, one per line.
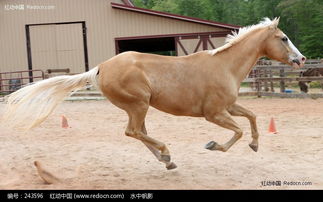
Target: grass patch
pixel 315 84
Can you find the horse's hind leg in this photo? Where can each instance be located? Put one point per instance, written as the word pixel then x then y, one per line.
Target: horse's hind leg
pixel 169 165
pixel 137 130
pixel 224 120
pixel 151 148
pixel 237 110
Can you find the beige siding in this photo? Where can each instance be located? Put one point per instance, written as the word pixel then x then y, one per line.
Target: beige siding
pixel 70 51
pixel 217 42
pixel 43 49
pixel 103 22
pixel 135 24
pixel 57 46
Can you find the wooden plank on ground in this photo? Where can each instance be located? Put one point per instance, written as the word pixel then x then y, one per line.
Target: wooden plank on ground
pixel 287 67
pixel 289 79
pixel 292 95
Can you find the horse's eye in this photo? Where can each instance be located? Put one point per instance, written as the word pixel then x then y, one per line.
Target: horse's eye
pixel 284 39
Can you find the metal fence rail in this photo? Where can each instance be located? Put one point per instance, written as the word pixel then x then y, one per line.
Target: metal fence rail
pixel 12 81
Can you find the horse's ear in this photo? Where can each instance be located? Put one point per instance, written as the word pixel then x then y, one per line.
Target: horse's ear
pixel 275 23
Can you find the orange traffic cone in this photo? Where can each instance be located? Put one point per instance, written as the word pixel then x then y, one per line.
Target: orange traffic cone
pixel 272 127
pixel 64 122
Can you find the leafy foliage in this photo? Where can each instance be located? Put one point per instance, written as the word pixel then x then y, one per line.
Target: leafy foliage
pixel 301 20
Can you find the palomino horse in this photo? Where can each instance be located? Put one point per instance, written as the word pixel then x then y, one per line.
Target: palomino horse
pixel 203 84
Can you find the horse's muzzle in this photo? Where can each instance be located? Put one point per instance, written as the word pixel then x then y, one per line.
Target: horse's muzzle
pixel 298 62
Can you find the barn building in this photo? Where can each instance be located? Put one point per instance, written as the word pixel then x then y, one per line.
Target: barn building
pixel 79 34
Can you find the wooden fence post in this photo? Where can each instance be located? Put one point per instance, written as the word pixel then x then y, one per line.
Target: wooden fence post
pixel 282 82
pixel 266 82
pixel 271 82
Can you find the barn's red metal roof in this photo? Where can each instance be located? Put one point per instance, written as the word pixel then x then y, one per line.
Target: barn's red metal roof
pixel 173 16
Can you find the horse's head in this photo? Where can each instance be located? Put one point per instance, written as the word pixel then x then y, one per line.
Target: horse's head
pixel 279 47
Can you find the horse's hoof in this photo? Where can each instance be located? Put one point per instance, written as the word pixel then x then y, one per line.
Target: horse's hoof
pixel 165 158
pixel 171 166
pixel 254 147
pixel 211 145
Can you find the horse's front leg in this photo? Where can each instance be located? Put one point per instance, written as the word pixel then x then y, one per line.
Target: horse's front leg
pixel 237 110
pixel 224 120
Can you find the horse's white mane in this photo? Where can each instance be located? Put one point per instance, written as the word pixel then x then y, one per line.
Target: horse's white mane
pixel 235 37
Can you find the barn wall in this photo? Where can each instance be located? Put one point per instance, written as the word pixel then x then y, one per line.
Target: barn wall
pixel 136 24
pixel 57 46
pixel 103 22
pixel 12 27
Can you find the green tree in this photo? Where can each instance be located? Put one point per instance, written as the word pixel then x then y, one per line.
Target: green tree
pixel 170 6
pixel 304 25
pixel 144 3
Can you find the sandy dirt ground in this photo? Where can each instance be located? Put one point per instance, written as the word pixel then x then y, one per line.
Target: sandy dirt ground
pixel 94 153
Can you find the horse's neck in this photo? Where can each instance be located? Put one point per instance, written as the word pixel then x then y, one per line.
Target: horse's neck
pixel 244 55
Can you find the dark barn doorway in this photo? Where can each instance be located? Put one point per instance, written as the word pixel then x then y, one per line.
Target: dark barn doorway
pixel 161 46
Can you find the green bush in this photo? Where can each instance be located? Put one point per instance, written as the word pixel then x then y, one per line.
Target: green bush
pixel 315 84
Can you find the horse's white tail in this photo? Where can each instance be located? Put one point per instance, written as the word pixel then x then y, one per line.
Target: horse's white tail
pixel 31 105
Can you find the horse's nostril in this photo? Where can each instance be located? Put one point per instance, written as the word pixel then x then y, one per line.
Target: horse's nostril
pixel 303 58
pixel 296 61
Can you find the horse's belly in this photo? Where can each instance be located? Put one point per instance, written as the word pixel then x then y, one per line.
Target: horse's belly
pixel 179 106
